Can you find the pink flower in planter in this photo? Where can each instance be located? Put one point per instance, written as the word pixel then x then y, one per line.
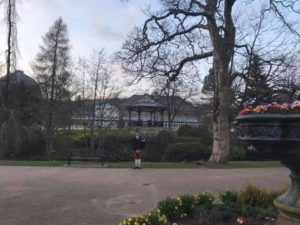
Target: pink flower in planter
pixel 274 107
pixel 284 106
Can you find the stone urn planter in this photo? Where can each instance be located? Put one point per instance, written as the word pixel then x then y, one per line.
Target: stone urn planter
pixel 278 134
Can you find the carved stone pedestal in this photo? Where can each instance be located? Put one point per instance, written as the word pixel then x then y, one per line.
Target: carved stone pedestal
pixel 278 135
pixel 289 203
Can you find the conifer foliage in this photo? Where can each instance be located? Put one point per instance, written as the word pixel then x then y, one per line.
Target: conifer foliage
pixel 52 69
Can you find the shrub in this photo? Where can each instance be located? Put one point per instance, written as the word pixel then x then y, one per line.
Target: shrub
pixel 152 218
pixel 182 139
pixel 193 151
pixel 229 197
pixel 223 213
pixel 201 132
pixel 205 198
pixel 186 204
pixel 255 196
pixel 245 204
pixel 161 142
pixel 34 146
pixel 238 153
pixel 179 207
pixel 169 208
pixel 204 134
pixel 185 130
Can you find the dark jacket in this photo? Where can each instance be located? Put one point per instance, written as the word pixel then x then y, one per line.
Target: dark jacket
pixel 136 143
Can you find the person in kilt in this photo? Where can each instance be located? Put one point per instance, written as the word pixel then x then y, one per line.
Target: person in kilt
pixel 138 145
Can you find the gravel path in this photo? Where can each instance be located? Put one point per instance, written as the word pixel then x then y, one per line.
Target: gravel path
pixel 98 196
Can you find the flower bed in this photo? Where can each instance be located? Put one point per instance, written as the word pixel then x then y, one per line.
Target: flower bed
pixel 252 205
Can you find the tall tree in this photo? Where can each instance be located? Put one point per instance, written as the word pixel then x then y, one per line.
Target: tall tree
pixel 107 112
pixel 52 71
pixel 174 95
pixel 193 30
pixel 258 90
pixel 96 72
pixel 12 47
pixel 82 70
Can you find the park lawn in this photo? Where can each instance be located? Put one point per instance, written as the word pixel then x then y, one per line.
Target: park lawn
pixel 154 165
pixel 230 165
pixel 244 164
pixel 31 163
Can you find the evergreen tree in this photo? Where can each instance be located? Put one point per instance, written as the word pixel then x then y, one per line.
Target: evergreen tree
pixel 52 71
pixel 208 84
pixel 258 90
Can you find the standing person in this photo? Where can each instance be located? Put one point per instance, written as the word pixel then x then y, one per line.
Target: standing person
pixel 137 150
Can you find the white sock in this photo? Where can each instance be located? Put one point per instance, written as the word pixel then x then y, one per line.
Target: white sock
pixel 136 162
pixel 139 162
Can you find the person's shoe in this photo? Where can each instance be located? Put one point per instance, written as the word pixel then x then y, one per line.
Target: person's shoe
pixel 139 167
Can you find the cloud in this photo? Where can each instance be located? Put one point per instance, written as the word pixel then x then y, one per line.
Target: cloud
pixel 108 33
pixel 130 16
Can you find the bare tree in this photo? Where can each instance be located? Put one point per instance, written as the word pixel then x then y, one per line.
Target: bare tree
pixel 107 112
pixel 82 70
pixel 175 94
pixel 12 47
pixel 96 70
pixel 192 31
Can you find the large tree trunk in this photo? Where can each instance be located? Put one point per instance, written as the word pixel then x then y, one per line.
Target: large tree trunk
pixel 50 128
pixel 222 56
pixel 9 51
pixel 221 110
pixel 221 135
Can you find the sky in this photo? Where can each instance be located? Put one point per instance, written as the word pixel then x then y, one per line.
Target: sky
pixel 92 25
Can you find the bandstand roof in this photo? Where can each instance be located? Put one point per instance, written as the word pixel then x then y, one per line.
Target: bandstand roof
pixel 142 101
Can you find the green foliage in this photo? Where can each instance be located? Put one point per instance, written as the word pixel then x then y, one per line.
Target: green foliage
pixel 186 204
pixel 238 153
pixel 179 207
pixel 169 208
pixel 201 210
pixel 258 89
pixel 223 213
pixel 257 212
pixel 183 139
pixel 193 151
pixel 185 130
pixel 161 142
pixel 205 198
pixel 216 214
pixel 201 132
pixel 255 196
pixel 229 197
pixel 33 147
pixel 152 218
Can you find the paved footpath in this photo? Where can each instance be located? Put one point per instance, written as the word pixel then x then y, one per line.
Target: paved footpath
pixel 97 196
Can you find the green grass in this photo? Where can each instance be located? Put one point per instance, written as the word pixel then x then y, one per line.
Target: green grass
pixel 158 165
pixel 31 163
pixel 244 164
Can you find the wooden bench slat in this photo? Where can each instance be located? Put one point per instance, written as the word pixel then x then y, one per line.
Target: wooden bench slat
pixel 84 155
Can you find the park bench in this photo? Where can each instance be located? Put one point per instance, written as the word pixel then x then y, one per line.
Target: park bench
pixel 84 155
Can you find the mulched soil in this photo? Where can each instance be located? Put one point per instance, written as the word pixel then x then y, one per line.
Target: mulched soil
pixel 247 221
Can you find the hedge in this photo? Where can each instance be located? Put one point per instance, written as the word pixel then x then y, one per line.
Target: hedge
pixel 192 151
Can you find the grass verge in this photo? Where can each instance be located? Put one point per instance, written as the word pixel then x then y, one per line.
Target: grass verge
pixel 154 165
